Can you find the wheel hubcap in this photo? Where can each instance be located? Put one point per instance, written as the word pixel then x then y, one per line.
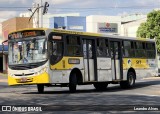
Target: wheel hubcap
pixel 131 80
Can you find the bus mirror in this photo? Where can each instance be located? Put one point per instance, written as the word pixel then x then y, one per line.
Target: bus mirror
pixel 3 46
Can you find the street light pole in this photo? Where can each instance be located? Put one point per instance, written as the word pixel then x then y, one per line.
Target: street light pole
pixel 44 11
pixel 38 16
pixel 41 16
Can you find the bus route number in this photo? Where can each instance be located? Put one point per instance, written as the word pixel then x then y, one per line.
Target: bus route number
pixel 138 62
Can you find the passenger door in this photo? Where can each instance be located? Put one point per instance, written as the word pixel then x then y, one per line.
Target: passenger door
pixel 116 60
pixel 89 55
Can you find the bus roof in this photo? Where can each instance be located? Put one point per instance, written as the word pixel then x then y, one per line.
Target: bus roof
pixel 100 35
pixel 27 29
pixel 86 34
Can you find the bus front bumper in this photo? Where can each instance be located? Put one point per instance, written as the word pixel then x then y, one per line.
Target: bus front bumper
pixel 38 79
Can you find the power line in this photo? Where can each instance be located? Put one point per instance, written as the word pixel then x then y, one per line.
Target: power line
pixel 137 7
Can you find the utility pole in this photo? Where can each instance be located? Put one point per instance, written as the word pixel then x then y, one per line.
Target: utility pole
pixel 45 9
pixel 37 15
pixel 41 16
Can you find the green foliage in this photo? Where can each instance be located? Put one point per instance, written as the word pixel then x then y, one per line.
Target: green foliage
pixel 151 28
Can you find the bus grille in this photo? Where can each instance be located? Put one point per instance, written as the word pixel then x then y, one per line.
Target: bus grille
pixel 23 74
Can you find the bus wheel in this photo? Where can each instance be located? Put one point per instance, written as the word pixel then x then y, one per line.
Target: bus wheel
pixel 73 83
pixel 130 81
pixel 40 88
pixel 100 86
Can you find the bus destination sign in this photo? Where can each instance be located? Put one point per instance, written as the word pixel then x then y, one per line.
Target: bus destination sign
pixel 24 34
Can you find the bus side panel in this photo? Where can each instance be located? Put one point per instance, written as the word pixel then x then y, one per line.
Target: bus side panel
pixel 60 72
pixel 104 69
pixel 125 74
pixel 143 67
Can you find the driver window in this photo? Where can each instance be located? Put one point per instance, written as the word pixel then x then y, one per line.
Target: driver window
pixel 56 49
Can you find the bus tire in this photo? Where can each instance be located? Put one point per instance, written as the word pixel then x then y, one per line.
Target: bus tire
pixel 73 83
pixel 40 88
pixel 100 86
pixel 130 81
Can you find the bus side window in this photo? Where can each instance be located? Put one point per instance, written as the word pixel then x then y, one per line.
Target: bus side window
pixel 84 49
pixel 102 48
pixel 56 49
pixel 150 50
pixel 73 45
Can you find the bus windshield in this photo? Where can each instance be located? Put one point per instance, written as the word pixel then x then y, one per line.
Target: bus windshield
pixel 29 50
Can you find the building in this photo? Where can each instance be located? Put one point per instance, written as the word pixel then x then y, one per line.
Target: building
pixel 77 23
pixel 44 20
pixel 103 24
pixel 130 24
pixel 8 26
pixel 93 23
pixel 14 24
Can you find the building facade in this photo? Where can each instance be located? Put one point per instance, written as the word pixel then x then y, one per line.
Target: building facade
pixel 77 23
pixel 103 24
pixel 130 24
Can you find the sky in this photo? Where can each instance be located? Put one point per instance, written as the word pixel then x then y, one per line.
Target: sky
pixel 12 8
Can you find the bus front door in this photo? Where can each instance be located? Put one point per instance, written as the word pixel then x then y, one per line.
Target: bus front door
pixel 89 55
pixel 116 58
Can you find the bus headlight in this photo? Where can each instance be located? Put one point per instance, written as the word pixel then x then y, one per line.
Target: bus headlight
pixel 11 74
pixel 41 71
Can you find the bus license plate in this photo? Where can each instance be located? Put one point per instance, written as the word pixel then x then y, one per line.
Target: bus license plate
pixel 23 80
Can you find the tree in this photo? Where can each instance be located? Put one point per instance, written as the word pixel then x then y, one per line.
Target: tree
pixel 151 28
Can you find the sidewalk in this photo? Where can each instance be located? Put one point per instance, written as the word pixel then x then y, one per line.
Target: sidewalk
pixel 3 77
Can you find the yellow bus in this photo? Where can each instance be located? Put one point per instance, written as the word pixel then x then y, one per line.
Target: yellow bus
pixel 52 57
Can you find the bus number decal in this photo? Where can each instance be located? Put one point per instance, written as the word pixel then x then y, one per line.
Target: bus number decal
pixel 138 62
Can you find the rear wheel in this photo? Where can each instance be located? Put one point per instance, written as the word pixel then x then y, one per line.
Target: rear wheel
pixel 130 81
pixel 100 86
pixel 40 88
pixel 73 83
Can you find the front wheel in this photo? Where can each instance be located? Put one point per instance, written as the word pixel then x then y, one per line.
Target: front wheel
pixel 130 81
pixel 40 88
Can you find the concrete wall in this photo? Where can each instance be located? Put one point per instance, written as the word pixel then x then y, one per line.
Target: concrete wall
pixel 130 29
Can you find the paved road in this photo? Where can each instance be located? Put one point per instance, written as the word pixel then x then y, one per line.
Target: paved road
pixel 146 92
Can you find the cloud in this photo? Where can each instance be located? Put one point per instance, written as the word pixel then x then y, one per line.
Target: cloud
pixel 56 2
pixel 122 14
pixel 14 1
pixel 8 14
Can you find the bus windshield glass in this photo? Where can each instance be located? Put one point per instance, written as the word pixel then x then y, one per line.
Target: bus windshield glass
pixel 29 50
